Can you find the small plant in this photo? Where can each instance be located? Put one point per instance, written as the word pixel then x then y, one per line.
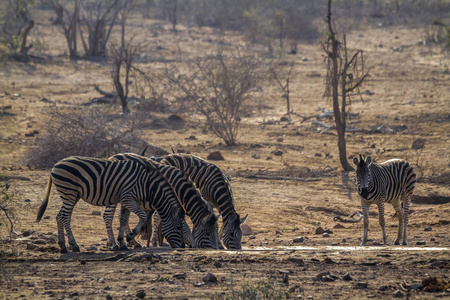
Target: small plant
pixel 7 204
pixel 260 290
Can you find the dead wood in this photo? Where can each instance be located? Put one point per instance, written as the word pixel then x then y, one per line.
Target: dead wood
pixel 349 219
pixel 107 94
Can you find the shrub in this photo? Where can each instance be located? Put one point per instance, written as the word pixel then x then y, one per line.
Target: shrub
pixel 85 132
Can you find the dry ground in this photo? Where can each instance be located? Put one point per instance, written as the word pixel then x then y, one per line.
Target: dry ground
pixel 410 88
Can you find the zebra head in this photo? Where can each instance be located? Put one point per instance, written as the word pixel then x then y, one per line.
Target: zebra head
pixel 232 232
pixel 363 176
pixel 205 233
pixel 172 228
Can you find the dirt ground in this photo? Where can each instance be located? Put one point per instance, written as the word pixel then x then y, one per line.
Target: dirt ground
pixel 406 96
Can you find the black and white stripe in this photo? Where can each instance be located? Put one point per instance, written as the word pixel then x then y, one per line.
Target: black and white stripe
pixel 216 189
pixel 202 216
pixel 392 181
pixel 104 182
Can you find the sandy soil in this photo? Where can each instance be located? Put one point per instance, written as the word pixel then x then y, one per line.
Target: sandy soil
pixel 408 87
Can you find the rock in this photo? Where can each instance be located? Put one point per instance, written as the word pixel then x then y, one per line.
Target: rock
pixel 74 294
pixel 191 137
pixel 215 156
pixel 420 243
pixel 217 264
pixel 280 140
pixel 31 247
pixel 428 229
pixel 179 276
pixel 256 146
pixel 176 122
pixel 83 261
pixel 107 288
pixel 319 230
pixel 318 155
pixel 326 277
pixel 344 240
pixel 285 278
pixel 109 297
pixel 101 280
pixel 361 285
pixel 398 294
pixel 255 156
pixel 16 95
pixel 210 278
pixel 338 226
pixel 284 119
pixel 140 294
pixel 27 233
pixel 328 231
pixel 418 144
pixel 278 153
pixel 326 234
pixel 40 241
pixel 46 217
pixel 246 230
pixel 347 277
pixel 96 213
pixel 252 237
pixel 92 248
pixel 297 261
pixel 299 239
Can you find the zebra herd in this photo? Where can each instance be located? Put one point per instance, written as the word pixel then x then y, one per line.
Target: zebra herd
pixel 184 184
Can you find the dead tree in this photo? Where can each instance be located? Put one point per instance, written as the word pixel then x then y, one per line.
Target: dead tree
pixel 344 73
pixel 283 79
pixel 68 20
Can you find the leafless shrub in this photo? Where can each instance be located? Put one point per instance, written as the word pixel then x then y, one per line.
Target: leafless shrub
pixel 282 75
pixel 7 204
pixel 84 132
pixel 218 86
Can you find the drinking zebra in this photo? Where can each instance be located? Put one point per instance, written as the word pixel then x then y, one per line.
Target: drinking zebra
pixel 202 216
pixel 216 189
pixel 392 181
pixel 104 182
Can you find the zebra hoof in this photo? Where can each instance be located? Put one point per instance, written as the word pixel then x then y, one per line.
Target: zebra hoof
pixel 130 237
pixel 64 250
pixel 76 248
pixel 396 243
pixel 115 248
pixel 124 247
pixel 405 244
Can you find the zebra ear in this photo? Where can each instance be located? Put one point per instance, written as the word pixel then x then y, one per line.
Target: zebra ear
pixel 243 219
pixel 143 151
pixel 369 160
pixel 218 217
pixel 173 151
pixel 356 161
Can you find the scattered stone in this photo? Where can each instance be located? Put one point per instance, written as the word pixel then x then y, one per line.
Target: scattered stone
pixel 215 156
pixel 74 294
pixel 92 248
pixel 256 146
pixel 40 242
pixel 16 95
pixel 428 229
pixel 328 231
pixel 383 288
pixel 319 230
pixel 418 144
pixel 199 284
pixel 420 243
pixel 140 294
pixel 109 297
pixel 338 226
pixel 101 280
pixel 398 294
pixel 299 239
pixel 361 285
pixel 255 156
pixel 107 288
pixel 344 240
pixel 176 122
pixel 318 155
pixel 285 278
pixel 284 119
pixel 246 230
pixel 83 261
pixel 27 200
pixel 297 261
pixel 326 277
pixel 252 237
pixel 280 140
pixel 328 260
pixel 46 217
pixel 217 264
pixel 210 278
pixel 31 246
pixel 326 234
pixel 96 213
pixel 278 153
pixel 347 277
pixel 416 286
pixel 27 233
pixel 191 137
pixel 179 276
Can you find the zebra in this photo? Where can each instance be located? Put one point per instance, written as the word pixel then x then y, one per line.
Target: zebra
pixel 201 214
pixel 216 189
pixel 104 182
pixel 392 181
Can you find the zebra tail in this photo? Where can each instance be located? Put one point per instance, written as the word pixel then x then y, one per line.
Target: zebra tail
pixel 44 204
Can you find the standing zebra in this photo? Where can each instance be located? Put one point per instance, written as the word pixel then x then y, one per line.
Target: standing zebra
pixel 391 181
pixel 104 182
pixel 201 215
pixel 216 189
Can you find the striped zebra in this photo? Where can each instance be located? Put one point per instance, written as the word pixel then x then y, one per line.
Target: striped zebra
pixel 202 216
pixel 216 189
pixel 392 181
pixel 104 182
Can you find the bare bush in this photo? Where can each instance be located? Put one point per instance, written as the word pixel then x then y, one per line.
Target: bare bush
pixel 84 132
pixel 218 86
pixel 15 25
pixel 7 204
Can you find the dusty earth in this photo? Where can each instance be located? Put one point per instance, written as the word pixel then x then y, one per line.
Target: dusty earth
pixel 406 97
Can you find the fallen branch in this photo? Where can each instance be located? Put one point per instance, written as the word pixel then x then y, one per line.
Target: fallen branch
pixel 349 219
pixel 281 178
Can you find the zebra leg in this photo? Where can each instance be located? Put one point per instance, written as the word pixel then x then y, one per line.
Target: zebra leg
pixel 64 218
pixel 108 217
pixel 398 209
pixel 124 218
pixel 61 239
pixel 133 242
pixel 156 226
pixel 406 203
pixel 188 237
pixel 133 206
pixel 365 208
pixel 381 219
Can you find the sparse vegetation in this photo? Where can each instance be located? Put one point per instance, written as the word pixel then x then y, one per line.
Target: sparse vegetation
pixel 84 132
pixel 7 205
pixel 260 290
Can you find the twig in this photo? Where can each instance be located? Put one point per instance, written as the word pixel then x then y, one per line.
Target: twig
pixel 349 220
